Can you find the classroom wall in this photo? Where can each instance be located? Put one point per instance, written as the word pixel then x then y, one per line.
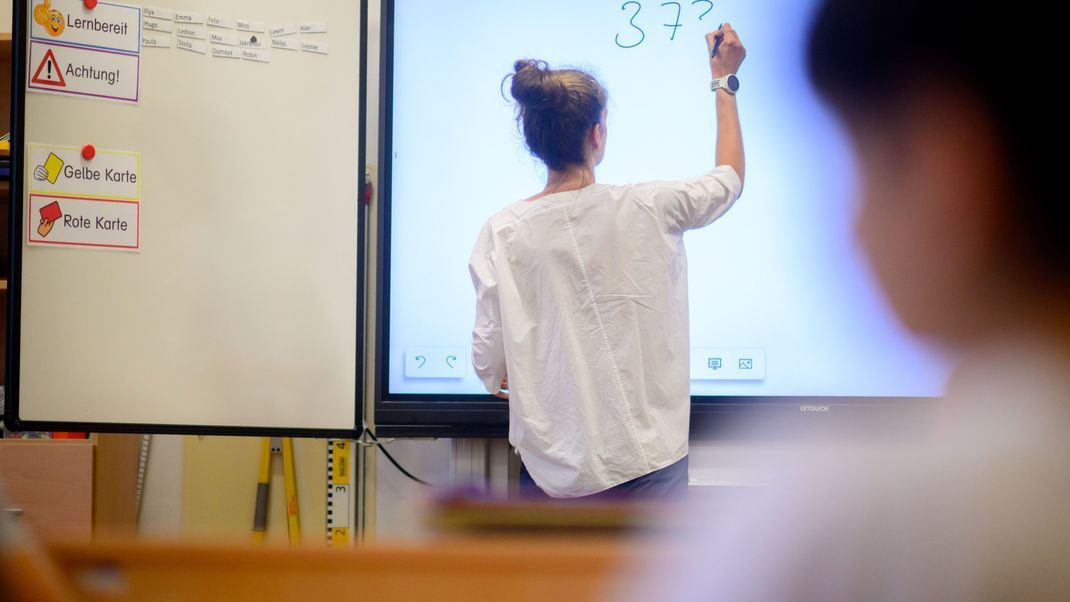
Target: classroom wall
pixel 161 498
pixel 372 131
pixel 5 16
pixel 206 487
pixel 219 488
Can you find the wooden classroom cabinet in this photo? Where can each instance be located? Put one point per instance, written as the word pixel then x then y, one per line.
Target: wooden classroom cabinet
pixel 71 489
pixel 49 485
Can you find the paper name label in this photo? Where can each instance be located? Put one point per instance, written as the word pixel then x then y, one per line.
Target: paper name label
pixel 247 25
pixel 84 72
pixel 155 41
pixel 223 37
pixel 191 45
pixel 259 56
pixel 283 30
pixel 284 44
pixel 317 47
pixel 158 13
pixel 217 21
pixel 157 25
pixel 314 27
pixel 191 32
pixel 226 53
pixel 109 26
pixel 185 16
pixel 250 42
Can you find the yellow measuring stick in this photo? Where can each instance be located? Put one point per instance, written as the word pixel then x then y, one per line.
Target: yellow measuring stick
pixel 270 446
pixel 338 490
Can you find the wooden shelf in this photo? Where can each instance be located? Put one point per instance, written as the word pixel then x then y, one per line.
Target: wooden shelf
pixel 5 126
pixel 52 482
pixel 5 47
pixel 69 488
pixel 5 82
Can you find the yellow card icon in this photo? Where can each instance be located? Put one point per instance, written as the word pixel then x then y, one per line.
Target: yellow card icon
pixel 53 165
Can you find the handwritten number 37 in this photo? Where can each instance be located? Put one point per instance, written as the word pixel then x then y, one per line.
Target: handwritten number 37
pixel 639 35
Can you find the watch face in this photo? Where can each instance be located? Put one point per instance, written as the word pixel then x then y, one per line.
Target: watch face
pixel 733 83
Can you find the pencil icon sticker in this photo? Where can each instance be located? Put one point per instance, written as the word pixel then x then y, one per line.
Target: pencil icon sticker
pixel 50 170
pixel 49 214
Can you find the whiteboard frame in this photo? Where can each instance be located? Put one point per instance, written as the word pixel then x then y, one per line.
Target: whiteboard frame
pixel 12 404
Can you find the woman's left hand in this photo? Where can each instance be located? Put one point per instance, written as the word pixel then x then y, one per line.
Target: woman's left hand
pixel 503 392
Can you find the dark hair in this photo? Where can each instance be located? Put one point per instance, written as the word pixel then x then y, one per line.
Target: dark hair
pixel 556 109
pixel 864 55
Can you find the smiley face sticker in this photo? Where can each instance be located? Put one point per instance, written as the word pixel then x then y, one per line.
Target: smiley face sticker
pixel 49 18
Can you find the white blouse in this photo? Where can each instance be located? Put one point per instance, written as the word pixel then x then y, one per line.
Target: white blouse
pixel 582 301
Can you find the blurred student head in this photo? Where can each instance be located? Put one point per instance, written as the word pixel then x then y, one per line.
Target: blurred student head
pixel 958 140
pixel 952 110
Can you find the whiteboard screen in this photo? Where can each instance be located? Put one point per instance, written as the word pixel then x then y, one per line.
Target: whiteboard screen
pixel 782 304
pixel 201 269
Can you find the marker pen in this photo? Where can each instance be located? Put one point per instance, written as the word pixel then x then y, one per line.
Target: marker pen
pixel 717 42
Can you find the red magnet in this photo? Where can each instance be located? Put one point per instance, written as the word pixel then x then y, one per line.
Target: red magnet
pixel 88 152
pixel 90 4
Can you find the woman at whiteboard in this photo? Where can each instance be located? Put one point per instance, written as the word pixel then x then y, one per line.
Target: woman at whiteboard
pixel 582 305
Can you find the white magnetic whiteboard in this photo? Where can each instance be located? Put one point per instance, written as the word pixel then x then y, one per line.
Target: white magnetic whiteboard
pixel 238 308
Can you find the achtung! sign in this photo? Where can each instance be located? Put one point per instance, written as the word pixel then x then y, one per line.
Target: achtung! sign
pixel 85 52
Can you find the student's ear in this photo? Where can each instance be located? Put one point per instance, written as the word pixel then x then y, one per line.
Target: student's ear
pixel 597 137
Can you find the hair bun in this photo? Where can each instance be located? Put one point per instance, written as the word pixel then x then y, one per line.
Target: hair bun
pixel 556 109
pixel 535 88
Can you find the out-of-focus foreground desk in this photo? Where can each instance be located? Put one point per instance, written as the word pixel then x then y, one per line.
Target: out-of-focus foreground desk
pixel 543 569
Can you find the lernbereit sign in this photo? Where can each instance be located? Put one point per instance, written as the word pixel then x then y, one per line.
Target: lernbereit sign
pixel 85 52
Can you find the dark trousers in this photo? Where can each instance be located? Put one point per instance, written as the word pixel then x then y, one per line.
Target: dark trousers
pixel 665 484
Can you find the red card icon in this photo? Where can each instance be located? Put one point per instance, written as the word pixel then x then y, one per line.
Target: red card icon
pixel 51 211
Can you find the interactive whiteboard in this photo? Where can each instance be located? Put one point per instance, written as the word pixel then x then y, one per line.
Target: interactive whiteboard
pixel 782 305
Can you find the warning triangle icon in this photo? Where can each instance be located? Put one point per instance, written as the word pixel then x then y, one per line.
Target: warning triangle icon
pixel 48 72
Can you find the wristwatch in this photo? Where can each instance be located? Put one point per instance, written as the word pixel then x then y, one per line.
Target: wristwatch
pixel 728 83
